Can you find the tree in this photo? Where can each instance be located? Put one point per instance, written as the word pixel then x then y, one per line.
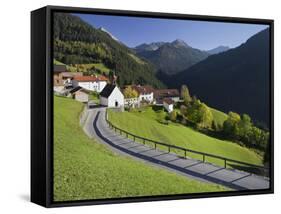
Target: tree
pixel 257 138
pixel 130 94
pixel 199 113
pixel 206 116
pixel 192 112
pixel 173 116
pixel 185 95
pixel 244 126
pixel 266 156
pixel 183 109
pixel 215 126
pixel 230 125
pixel 111 76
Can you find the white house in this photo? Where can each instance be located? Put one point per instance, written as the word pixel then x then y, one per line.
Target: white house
pixel 111 96
pixel 91 83
pixel 145 93
pixel 168 104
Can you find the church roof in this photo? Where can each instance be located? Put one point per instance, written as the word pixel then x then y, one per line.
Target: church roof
pixel 107 90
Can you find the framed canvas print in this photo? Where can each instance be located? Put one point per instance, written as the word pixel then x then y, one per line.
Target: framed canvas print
pixel 138 106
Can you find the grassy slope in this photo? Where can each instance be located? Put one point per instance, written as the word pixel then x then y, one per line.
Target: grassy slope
pixel 137 59
pixel 99 66
pixel 84 169
pixel 145 124
pixel 219 117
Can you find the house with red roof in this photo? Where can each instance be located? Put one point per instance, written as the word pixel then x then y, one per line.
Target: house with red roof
pixel 161 94
pixel 145 92
pixel 62 78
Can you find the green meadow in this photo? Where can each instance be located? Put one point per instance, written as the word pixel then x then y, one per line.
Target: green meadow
pixel 145 123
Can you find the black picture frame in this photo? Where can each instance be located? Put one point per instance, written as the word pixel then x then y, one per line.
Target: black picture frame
pixel 42 105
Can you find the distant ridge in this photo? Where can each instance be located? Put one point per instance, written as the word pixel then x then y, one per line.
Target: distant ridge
pixel 218 49
pixel 149 47
pixel 110 34
pixel 170 57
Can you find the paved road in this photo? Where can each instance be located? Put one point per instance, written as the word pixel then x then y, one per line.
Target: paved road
pixel 96 127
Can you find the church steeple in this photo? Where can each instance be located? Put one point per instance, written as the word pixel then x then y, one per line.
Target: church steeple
pixel 114 79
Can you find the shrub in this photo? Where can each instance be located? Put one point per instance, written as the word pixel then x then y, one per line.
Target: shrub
pixel 173 116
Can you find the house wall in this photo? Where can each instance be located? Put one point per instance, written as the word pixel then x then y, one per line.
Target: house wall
pixel 175 99
pixel 116 95
pixel 96 86
pixel 81 96
pixel 147 97
pixel 131 101
pixel 168 107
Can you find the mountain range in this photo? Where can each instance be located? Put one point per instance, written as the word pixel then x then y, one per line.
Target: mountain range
pixel 218 49
pixel 170 57
pixel 234 80
pixel 173 57
pixel 149 47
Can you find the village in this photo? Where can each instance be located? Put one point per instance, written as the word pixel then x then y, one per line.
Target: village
pixel 80 87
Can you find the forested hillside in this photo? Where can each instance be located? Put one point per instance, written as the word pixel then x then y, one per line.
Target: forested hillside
pixel 77 42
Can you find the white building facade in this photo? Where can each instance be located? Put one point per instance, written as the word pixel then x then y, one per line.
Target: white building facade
pixel 111 96
pixel 132 102
pixel 145 93
pixel 146 97
pixel 91 83
pixel 168 104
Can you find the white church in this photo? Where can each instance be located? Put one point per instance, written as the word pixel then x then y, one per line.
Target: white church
pixel 111 96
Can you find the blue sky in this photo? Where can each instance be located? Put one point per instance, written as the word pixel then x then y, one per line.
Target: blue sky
pixel 203 35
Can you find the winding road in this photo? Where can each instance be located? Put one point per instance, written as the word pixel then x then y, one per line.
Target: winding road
pixel 95 126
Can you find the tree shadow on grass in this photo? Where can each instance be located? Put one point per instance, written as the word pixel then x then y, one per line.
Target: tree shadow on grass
pixel 252 170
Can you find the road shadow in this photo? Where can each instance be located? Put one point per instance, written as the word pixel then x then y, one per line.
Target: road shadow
pixel 248 169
